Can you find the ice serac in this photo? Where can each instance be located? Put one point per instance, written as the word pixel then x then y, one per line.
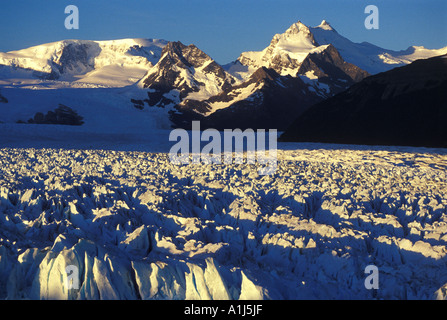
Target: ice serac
pixel 138 242
pixel 441 293
pixel 158 280
pixel 251 291
pixel 220 232
pixel 217 287
pixel 205 283
pixel 403 106
pixel 51 281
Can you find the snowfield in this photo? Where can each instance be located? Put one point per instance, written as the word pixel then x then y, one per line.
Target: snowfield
pixel 131 225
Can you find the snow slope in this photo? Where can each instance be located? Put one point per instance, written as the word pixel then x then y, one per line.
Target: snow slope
pixel 97 79
pixel 112 63
pixel 104 109
pixel 136 226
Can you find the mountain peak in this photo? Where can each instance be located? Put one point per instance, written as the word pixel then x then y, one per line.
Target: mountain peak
pixel 176 53
pixel 297 35
pixel 285 52
pixel 325 26
pixel 114 62
pixel 297 27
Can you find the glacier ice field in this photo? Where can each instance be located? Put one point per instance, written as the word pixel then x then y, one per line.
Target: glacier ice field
pixel 132 225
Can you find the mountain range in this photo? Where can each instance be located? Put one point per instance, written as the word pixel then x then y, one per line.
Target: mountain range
pixel 131 84
pixel 404 106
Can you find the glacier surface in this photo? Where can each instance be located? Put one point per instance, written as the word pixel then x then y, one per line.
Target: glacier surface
pixel 131 225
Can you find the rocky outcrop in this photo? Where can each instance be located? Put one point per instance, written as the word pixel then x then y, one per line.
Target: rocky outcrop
pixel 184 72
pixel 330 68
pixel 61 115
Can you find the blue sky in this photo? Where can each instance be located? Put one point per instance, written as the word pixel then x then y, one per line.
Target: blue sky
pixel 221 28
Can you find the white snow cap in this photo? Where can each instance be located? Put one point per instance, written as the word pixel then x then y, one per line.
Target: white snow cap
pixel 325 25
pixel 297 27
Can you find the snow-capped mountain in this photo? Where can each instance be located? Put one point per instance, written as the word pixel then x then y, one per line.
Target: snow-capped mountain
pixel 184 75
pixel 296 53
pixel 275 85
pixel 285 52
pixel 326 62
pixel 270 100
pixel 109 63
pixel 288 50
pixel 192 86
pixel 159 83
pixel 95 79
pixel 367 56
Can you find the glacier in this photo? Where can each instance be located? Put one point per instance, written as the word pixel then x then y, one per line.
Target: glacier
pixel 136 226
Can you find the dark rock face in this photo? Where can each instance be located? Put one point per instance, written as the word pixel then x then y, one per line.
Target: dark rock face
pixel 403 106
pixel 276 102
pixel 61 115
pixel 3 99
pixel 73 57
pixel 332 70
pixel 175 71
